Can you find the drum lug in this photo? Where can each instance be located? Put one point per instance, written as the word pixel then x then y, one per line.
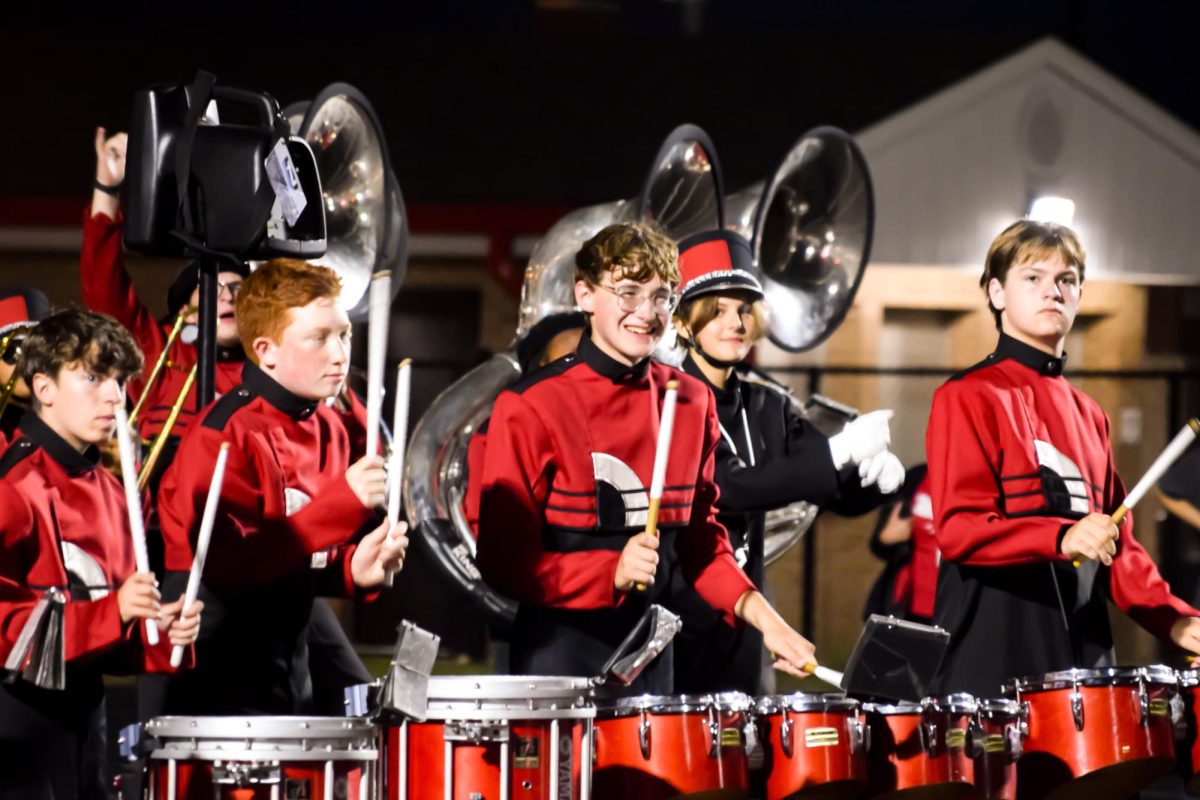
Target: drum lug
pixel 785 734
pixel 644 734
pixel 1016 733
pixel 714 731
pixel 1077 707
pixel 242 775
pixel 1143 703
pixel 975 736
pixel 857 734
pixel 475 732
pixel 750 736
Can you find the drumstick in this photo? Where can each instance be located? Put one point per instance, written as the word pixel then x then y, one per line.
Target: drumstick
pixel 377 334
pixel 399 440
pixel 830 676
pixel 662 452
pixel 133 504
pixel 1161 464
pixel 206 528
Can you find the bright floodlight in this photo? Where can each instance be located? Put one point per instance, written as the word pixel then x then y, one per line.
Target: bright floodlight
pixel 1059 210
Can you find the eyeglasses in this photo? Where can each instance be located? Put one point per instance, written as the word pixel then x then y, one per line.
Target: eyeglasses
pixel 630 300
pixel 233 286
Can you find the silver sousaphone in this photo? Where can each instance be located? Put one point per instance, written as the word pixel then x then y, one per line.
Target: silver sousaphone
pixel 810 225
pixel 366 224
pixel 683 194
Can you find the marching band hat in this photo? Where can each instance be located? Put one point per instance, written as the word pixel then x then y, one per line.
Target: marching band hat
pixel 716 261
pixel 21 305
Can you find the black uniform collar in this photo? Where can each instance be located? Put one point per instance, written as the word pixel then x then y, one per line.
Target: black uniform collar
pixel 38 433
pixel 266 387
pixel 1040 362
pixel 604 364
pixel 731 389
pixel 231 355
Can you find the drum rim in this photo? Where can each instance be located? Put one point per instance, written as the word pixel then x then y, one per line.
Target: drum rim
pixel 805 702
pixel 1102 676
pixel 484 688
pixel 1188 678
pixel 897 707
pixel 990 706
pixel 953 703
pixel 266 728
pixel 662 704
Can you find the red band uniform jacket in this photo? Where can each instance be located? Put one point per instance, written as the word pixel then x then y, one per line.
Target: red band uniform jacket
pixel 282 535
pixel 63 524
pixel 565 485
pixel 1016 456
pixel 108 289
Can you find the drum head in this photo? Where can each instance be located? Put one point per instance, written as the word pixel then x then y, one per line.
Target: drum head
pixel 801 702
pixel 249 738
pixel 485 697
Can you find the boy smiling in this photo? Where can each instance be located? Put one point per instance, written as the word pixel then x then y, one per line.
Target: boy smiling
pixel 1023 484
pixel 567 473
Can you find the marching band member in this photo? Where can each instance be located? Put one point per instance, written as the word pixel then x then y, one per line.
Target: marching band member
pixel 550 339
pixel 566 475
pixel 904 539
pixel 1023 485
pixel 64 524
pixel 107 288
pixel 18 307
pixel 290 504
pixel 768 454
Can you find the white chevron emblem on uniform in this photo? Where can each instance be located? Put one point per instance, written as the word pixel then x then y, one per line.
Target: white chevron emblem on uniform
pixel 1053 460
pixel 617 474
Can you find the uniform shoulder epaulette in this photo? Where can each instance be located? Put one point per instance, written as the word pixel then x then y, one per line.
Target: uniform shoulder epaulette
pixel 219 415
pixel 556 367
pixel 17 452
pixel 990 360
pixel 752 375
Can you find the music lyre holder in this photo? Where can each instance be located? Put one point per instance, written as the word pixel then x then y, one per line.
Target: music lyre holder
pixel 895 659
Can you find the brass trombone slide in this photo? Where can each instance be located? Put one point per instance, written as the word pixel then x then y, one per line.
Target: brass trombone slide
pixel 176 329
pixel 160 441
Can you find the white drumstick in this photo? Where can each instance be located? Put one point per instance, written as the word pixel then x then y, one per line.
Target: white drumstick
pixel 830 676
pixel 662 453
pixel 378 310
pixel 133 503
pixel 399 442
pixel 206 528
pixel 1161 464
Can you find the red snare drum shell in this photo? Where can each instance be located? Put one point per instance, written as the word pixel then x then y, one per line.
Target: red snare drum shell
pixel 814 746
pixel 530 734
pixel 657 747
pixel 918 750
pixel 1189 745
pixel 1091 735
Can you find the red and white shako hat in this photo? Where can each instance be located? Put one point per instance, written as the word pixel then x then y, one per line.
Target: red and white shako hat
pixel 20 305
pixel 716 261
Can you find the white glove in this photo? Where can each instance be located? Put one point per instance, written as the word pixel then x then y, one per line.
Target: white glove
pixel 861 438
pixel 883 469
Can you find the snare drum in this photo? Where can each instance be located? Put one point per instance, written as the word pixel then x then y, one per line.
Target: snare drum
pixel 272 758
pixel 919 750
pixel 1189 742
pixel 996 745
pixel 655 746
pixel 1095 733
pixel 499 737
pixel 814 746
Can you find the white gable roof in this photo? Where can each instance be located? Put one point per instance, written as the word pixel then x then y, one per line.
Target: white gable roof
pixel 953 170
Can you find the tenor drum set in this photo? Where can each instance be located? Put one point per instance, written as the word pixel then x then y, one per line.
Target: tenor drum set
pixel 1098 733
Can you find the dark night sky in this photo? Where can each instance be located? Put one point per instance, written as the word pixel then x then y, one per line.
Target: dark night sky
pixel 555 102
